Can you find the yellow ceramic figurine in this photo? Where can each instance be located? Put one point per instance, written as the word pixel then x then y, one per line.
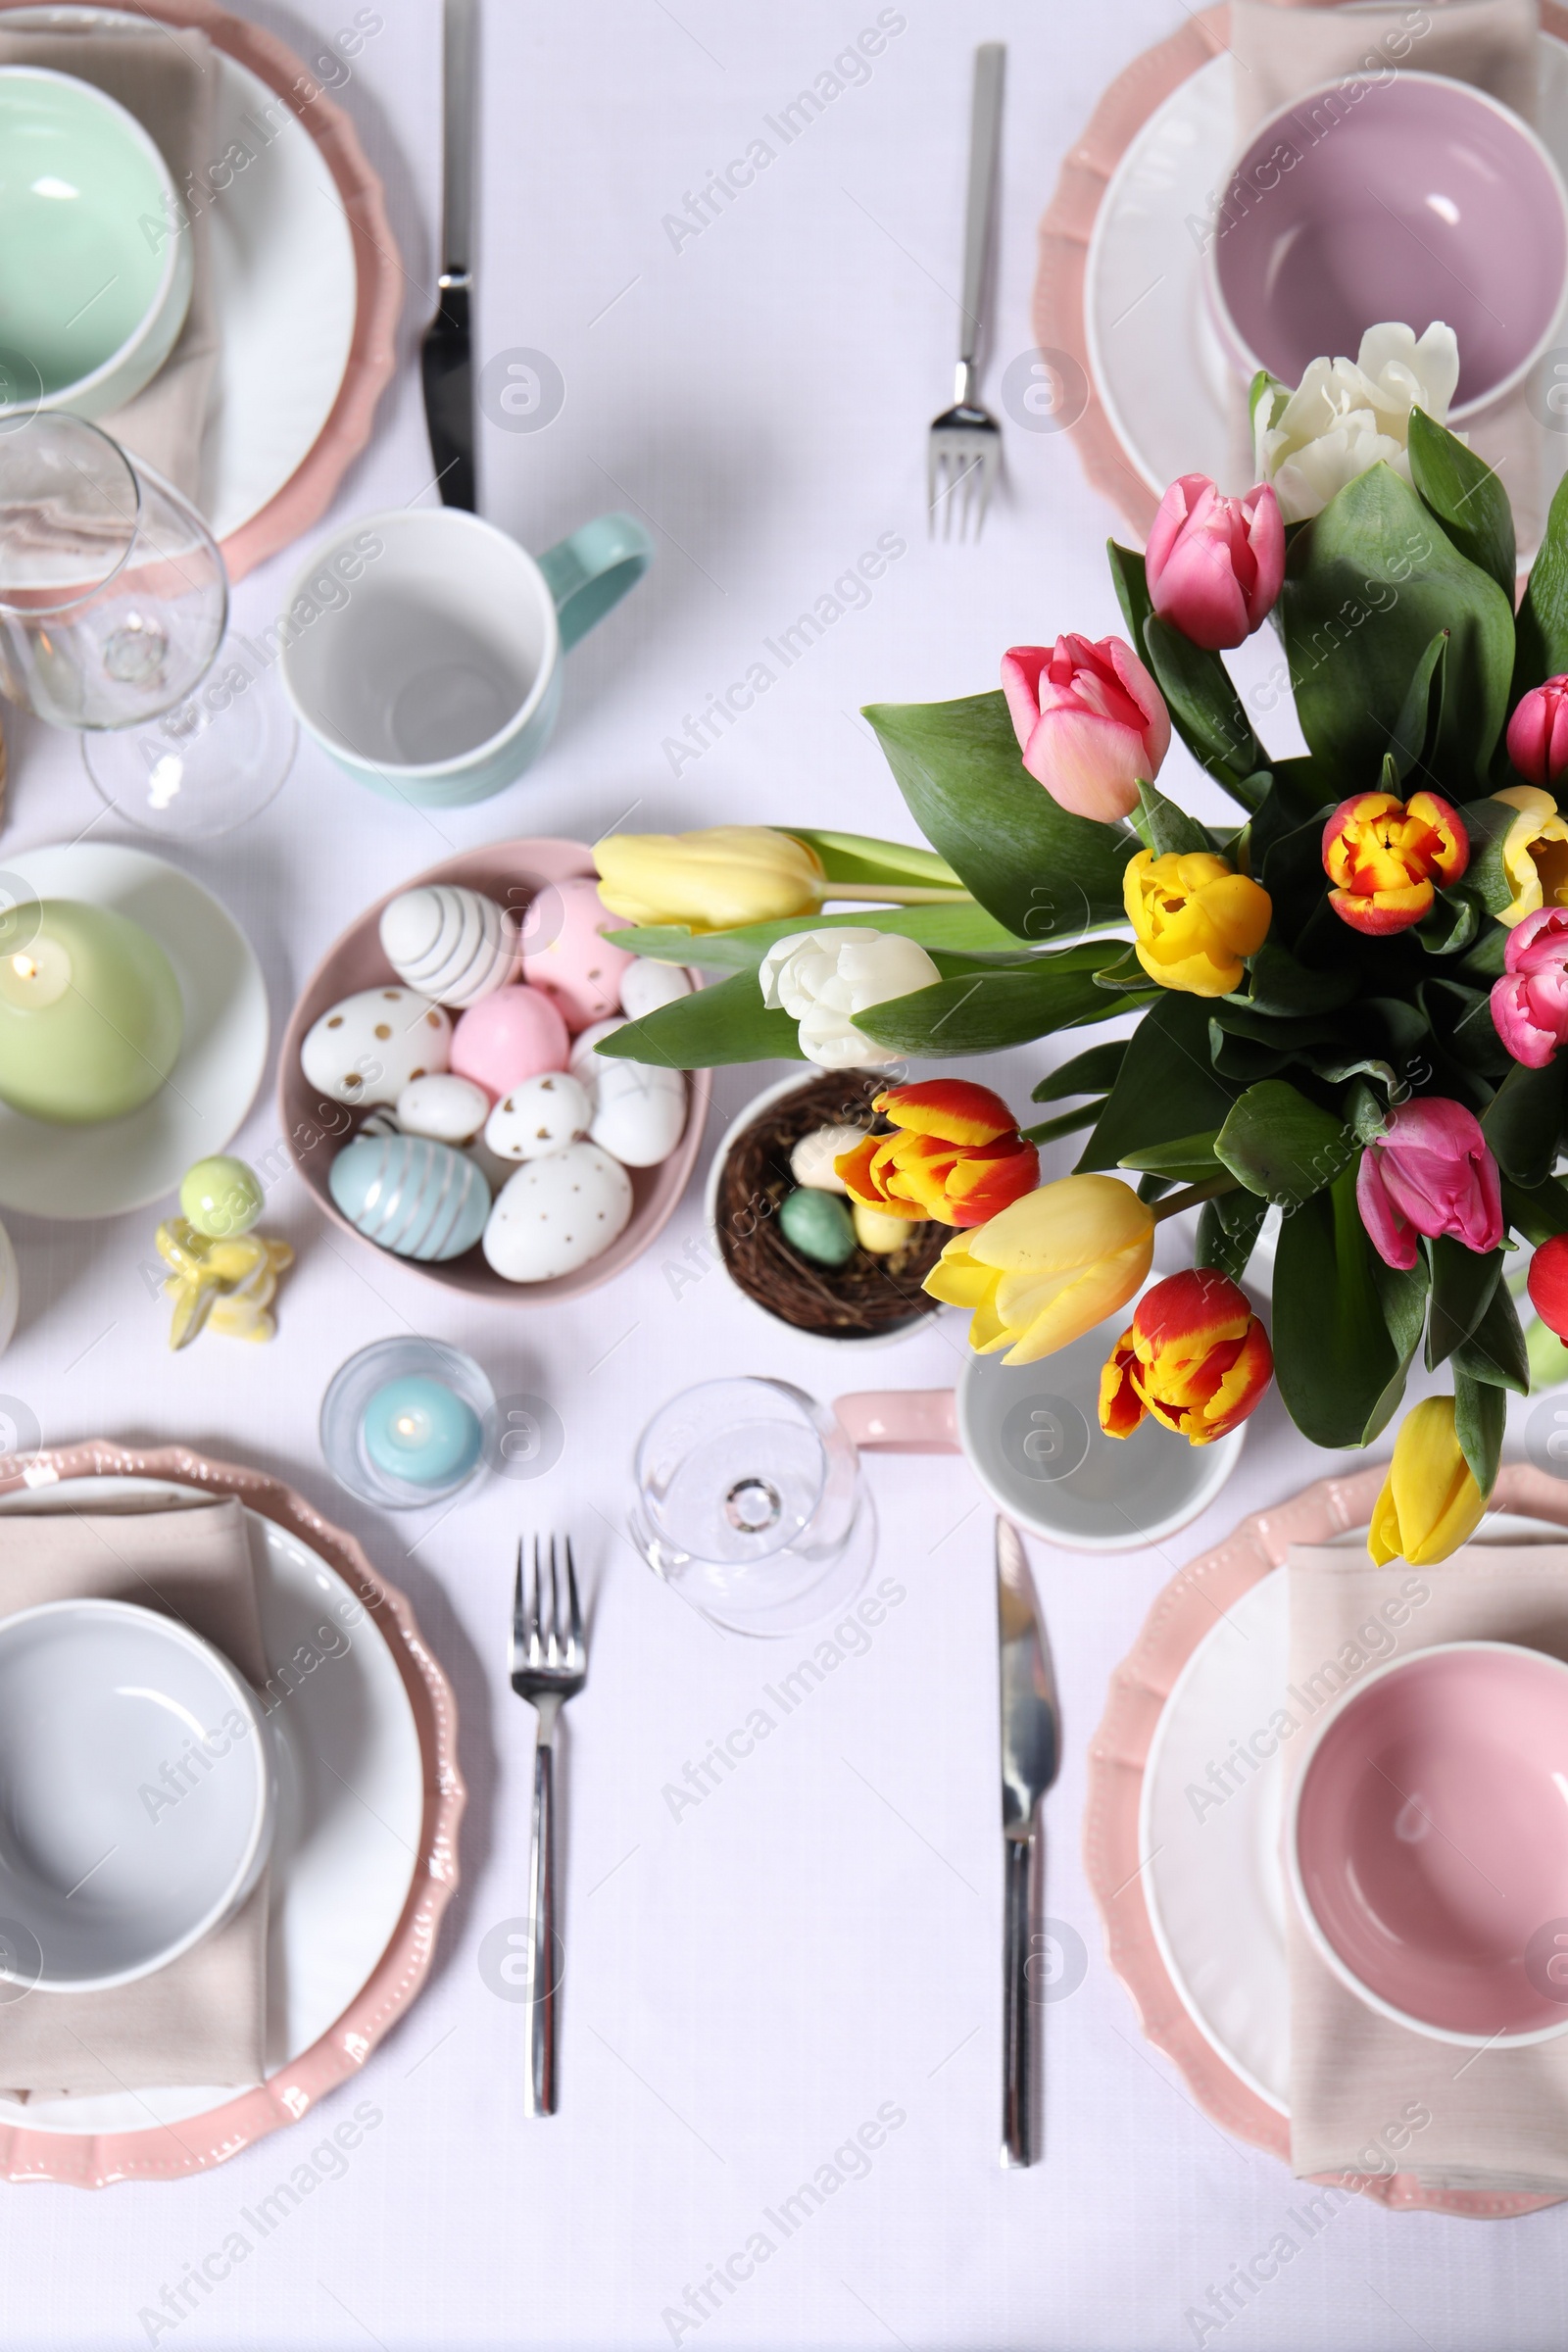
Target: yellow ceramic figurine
pixel 220 1272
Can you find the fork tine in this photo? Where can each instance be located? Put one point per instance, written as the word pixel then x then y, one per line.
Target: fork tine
pixel 987 471
pixel 519 1629
pixel 535 1645
pixel 969 472
pixel 931 464
pixel 556 1647
pixel 577 1613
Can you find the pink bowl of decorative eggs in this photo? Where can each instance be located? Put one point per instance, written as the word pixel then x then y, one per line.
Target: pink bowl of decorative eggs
pixel 441 1096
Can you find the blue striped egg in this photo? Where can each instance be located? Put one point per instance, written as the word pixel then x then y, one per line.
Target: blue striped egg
pixel 409 1195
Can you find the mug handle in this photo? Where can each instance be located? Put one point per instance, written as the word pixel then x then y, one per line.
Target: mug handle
pixel 900 1420
pixel 590 571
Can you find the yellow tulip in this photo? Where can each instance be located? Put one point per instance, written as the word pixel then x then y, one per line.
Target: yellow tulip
pixel 1535 853
pixel 713 880
pixel 1049 1267
pixel 1193 919
pixel 1430 1503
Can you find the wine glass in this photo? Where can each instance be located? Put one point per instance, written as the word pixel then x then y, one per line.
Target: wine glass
pixel 114 603
pixel 751 1507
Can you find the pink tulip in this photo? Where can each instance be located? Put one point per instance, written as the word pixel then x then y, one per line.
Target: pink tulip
pixel 1090 720
pixel 1431 1172
pixel 1529 1003
pixel 1216 564
pixel 1538 733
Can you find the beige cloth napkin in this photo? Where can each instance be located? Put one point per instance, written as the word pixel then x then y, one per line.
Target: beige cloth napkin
pixel 167 79
pixel 203 2018
pixel 1281 48
pixel 1361 2086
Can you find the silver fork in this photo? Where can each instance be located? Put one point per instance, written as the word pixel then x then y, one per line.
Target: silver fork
pixel 549 1666
pixel 964 446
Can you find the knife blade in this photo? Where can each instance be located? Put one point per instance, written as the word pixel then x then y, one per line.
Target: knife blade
pixel 446 356
pixel 1030 1754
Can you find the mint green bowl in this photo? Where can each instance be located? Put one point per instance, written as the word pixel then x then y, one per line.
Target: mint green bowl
pixel 94 274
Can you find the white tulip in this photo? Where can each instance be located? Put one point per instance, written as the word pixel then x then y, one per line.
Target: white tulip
pixel 1345 415
pixel 823 978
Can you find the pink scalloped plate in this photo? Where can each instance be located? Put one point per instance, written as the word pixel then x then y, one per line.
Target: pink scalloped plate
pixel 164 2152
pixel 1069 220
pixel 372 349
pixel 1185 1611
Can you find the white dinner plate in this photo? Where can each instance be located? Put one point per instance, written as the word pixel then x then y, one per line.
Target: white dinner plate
pixel 53 1171
pixel 351 1803
pixel 1155 359
pixel 1215 1878
pixel 284 284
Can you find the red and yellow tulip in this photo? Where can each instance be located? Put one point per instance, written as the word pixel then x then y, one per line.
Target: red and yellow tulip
pixel 956 1155
pixel 1386 857
pixel 1195 1355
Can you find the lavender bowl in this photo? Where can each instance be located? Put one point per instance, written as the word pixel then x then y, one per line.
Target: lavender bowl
pixel 1416 199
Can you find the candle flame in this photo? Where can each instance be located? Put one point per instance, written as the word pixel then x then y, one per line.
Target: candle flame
pixel 24 967
pixel 408 1425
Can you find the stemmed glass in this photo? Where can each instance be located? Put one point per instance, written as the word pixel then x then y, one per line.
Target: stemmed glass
pixel 114 603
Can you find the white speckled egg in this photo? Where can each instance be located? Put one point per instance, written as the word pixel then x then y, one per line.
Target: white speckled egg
pixel 566 955
pixel 646 985
pixel 452 944
pixel 372 1046
pixel 586 1060
pixel 410 1196
pixel 811 1160
pixel 447 1108
pixel 540 1116
pixel 639 1113
pixel 555 1215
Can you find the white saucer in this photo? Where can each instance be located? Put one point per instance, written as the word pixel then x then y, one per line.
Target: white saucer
pixel 1155 360
pixel 350 1810
pixel 285 286
pixel 100 1171
pixel 1214 1878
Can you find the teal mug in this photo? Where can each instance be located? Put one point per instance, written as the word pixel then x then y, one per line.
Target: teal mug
pixel 423 650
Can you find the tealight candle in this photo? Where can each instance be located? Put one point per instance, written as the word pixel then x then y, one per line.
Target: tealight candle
pixel 90 1012
pixel 416 1429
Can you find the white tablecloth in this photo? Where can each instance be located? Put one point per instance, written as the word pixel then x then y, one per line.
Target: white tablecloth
pixel 815 1944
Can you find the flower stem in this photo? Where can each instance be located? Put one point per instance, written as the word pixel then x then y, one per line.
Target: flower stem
pixel 897 894
pixel 1189 1197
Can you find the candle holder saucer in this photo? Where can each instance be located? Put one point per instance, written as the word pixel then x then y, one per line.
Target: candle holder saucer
pixel 351 1397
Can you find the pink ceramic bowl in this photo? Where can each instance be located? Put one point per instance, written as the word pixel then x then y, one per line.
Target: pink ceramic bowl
pixel 1416 199
pixel 1427 1844
pixel 511 873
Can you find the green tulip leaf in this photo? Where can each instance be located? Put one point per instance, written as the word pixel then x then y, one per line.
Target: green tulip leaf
pixel 1130 579
pixel 859 857
pixel 1524 1121
pixel 1536 1210
pixel 1187 1159
pixel 1227 1232
pixel 728 1022
pixel 1041 871
pixel 1467 498
pixel 1495 1351
pixel 1166 1086
pixel 1402 1297
pixel 1480 1418
pixel 1368 584
pixel 1543 623
pixel 1164 829
pixel 1420 718
pixel 1282 985
pixel 1281 1147
pixel 1206 712
pixel 984 1007
pixel 1462 1283
pixel 1094 1072
pixel 1333 1356
pixel 964 929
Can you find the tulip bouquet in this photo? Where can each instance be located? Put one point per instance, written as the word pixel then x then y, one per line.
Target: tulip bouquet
pixel 1350 999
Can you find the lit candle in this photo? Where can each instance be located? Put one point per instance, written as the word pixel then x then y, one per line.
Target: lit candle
pixel 90 1012
pixel 416 1429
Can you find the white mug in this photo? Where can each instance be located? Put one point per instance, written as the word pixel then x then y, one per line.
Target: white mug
pixel 422 648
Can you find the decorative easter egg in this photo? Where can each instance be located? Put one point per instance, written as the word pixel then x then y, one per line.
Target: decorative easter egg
pixel 410 1196
pixel 506 1037
pixel 368 1047
pixel 572 962
pixel 380 1122
pixel 878 1232
pixel 811 1160
pixel 221 1196
pixel 646 985
pixel 492 1167
pixel 818 1225
pixel 639 1112
pixel 586 1060
pixel 554 1215
pixel 452 944
pixel 542 1115
pixel 447 1108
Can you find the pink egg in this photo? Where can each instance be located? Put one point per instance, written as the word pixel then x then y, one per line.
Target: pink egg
pixel 512 1035
pixel 565 956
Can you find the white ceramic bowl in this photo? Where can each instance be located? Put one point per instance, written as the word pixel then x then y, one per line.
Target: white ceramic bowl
pixel 136 1793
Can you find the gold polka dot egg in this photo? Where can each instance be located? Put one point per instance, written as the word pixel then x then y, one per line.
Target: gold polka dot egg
pixel 372 1045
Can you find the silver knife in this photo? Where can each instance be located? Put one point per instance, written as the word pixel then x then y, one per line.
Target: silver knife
pixel 446 358
pixel 1031 1752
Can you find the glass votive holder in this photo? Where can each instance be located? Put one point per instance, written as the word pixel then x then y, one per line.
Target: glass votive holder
pixel 408 1422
